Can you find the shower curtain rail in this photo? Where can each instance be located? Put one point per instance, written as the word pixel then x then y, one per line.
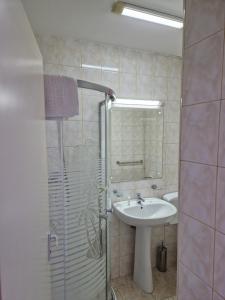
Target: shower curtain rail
pixel 96 87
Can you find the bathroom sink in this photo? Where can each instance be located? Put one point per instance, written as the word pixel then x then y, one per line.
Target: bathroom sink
pixel 173 199
pixel 144 215
pixel 152 212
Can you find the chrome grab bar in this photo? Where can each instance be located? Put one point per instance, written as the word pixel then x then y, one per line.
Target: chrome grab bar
pixel 129 163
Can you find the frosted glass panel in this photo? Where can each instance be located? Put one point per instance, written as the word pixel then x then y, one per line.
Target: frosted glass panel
pixel 77 198
pixel 85 263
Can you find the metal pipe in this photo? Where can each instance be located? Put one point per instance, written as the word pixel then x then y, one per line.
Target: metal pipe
pixel 96 87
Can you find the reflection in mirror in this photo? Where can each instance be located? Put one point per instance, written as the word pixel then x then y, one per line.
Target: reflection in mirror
pixel 136 143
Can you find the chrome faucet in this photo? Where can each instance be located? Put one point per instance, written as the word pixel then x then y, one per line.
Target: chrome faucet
pixel 140 200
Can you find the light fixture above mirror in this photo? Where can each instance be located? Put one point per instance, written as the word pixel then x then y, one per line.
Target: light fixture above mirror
pixel 136 103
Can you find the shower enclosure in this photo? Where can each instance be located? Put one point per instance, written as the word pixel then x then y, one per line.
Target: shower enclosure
pixel 78 202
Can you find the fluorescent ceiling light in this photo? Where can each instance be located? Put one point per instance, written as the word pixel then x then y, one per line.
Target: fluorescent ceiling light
pixel 135 103
pixel 104 68
pixel 153 16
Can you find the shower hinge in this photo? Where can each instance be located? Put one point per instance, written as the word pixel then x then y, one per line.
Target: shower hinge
pixel 105 215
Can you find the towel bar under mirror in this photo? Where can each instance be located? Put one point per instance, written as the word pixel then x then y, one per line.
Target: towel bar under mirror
pixel 130 163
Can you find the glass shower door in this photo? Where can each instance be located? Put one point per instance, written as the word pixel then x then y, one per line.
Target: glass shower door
pixel 79 263
pixel 85 231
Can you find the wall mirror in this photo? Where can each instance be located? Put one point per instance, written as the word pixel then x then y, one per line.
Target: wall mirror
pixel 136 140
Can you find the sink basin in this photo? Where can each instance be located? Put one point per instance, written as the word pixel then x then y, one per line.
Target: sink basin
pixel 152 212
pixel 173 199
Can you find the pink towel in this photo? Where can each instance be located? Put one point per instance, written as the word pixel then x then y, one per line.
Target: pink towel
pixel 61 96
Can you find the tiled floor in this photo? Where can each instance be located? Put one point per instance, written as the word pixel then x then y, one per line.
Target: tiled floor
pixel 164 287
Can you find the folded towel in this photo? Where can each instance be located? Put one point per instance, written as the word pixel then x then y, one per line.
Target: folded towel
pixel 61 96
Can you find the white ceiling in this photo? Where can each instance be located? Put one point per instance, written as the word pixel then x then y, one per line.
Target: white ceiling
pixel 93 20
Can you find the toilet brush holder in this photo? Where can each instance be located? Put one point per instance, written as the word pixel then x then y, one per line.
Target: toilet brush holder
pixel 161 259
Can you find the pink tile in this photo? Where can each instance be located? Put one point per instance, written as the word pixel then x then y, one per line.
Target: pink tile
pixel 199 133
pixel 220 202
pixel 196 247
pixel 203 71
pixel 222 136
pixel 203 18
pixel 190 287
pixel 219 268
pixel 217 297
pixel 198 191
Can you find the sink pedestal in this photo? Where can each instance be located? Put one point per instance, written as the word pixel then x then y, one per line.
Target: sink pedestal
pixel 142 259
pixel 153 212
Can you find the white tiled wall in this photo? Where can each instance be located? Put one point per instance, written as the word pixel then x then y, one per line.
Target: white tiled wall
pixel 142 75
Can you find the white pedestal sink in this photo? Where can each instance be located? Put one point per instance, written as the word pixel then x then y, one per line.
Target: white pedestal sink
pixel 152 212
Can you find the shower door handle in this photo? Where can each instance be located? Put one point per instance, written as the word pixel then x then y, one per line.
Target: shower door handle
pixel 103 216
pixel 52 238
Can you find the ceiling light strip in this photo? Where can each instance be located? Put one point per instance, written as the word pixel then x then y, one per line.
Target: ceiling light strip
pixel 149 15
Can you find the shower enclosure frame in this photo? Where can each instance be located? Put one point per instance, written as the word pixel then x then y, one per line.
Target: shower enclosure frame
pixel 109 97
pixel 104 132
